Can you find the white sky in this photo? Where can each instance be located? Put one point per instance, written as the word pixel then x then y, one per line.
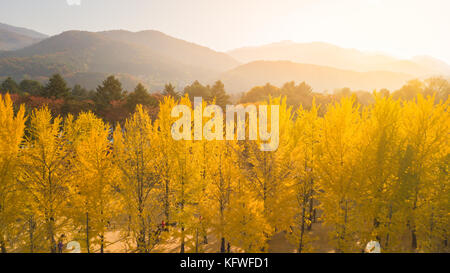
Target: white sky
pixel 403 28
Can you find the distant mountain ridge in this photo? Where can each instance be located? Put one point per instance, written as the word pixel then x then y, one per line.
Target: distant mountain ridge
pixel 432 63
pixel 182 51
pixel 12 38
pixel 320 78
pixel 23 31
pixel 320 53
pixel 154 59
pixel 150 57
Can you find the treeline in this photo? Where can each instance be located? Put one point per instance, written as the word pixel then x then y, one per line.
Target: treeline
pixel 377 172
pixel 114 104
pixel 109 101
pixel 303 94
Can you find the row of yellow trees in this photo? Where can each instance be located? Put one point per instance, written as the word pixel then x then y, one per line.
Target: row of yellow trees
pixel 373 173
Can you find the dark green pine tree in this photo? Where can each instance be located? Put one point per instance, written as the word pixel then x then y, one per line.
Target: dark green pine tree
pixel 110 90
pixel 31 87
pixel 169 90
pixel 140 96
pixel 196 89
pixel 80 93
pixel 9 86
pixel 56 88
pixel 218 93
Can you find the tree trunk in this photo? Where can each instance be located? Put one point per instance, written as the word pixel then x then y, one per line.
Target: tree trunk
pixel 302 231
pixel 182 240
pixel 312 215
pixel 196 240
pixel 51 234
pixel 102 243
pixel 386 245
pixel 87 233
pixel 311 209
pixel 222 245
pixel 102 232
pixel 31 228
pixel 166 201
pixel 3 246
pixel 141 239
pixel 413 240
pixel 31 242
pixel 376 225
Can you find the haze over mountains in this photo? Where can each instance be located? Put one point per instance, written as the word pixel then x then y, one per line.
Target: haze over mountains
pixel 154 58
pixel 83 57
pixel 319 53
pixel 12 38
pixel 321 78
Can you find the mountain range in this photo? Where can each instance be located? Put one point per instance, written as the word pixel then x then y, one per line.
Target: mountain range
pixel 12 38
pixel 321 78
pixel 154 58
pixel 319 53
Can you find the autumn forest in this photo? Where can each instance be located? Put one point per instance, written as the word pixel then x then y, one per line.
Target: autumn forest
pixel 345 173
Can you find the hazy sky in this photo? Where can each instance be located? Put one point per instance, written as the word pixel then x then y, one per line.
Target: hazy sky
pixel 402 28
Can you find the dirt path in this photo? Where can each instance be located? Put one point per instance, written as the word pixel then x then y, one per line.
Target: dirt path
pixel 277 244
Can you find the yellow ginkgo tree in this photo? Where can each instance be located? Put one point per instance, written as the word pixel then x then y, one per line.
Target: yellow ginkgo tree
pixel 135 155
pixel 46 173
pixel 94 196
pixel 12 127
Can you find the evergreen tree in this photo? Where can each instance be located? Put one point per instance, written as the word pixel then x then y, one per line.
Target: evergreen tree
pixel 80 93
pixel 140 96
pixel 110 90
pixel 56 88
pixel 196 89
pixel 9 86
pixel 31 87
pixel 169 90
pixel 218 94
